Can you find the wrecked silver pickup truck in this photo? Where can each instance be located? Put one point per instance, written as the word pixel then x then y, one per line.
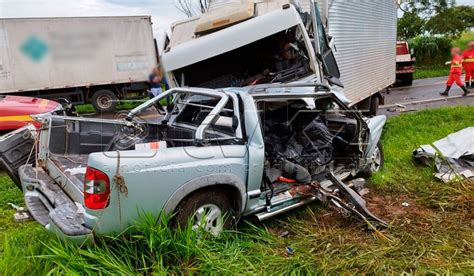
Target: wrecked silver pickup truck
pixel 213 157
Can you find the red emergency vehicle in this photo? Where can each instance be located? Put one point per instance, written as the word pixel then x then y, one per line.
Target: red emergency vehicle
pixel 405 64
pixel 16 111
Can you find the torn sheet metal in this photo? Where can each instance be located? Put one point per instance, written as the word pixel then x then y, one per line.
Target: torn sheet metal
pixel 457 155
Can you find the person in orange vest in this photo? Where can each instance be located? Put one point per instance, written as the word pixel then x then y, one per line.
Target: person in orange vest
pixel 468 64
pixel 455 72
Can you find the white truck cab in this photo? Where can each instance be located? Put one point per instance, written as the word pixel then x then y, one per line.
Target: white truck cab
pixel 271 43
pixel 246 42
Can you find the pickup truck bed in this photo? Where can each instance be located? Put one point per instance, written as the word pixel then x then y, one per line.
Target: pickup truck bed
pixel 73 166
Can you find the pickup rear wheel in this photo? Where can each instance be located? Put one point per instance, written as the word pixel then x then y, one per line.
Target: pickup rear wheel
pixel 209 210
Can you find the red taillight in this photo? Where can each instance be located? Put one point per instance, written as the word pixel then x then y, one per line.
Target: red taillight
pixel 96 189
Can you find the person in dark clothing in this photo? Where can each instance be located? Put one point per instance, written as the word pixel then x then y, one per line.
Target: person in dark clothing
pixel 157 81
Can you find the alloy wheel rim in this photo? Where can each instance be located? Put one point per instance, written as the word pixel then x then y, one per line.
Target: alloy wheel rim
pixel 376 160
pixel 208 218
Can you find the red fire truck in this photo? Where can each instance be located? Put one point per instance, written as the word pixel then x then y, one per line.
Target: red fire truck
pixel 405 64
pixel 16 111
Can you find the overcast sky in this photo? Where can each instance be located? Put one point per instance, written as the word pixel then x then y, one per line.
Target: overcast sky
pixel 163 12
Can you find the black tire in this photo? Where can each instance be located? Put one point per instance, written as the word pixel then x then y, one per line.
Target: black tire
pixel 368 170
pixel 408 79
pixel 212 196
pixel 374 105
pixel 104 101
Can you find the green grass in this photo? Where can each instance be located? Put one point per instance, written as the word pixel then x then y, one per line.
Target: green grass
pixel 465 38
pixel 432 236
pixel 423 72
pixel 431 71
pixel 88 108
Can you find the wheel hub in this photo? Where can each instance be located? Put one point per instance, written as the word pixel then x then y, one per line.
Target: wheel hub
pixel 208 218
pixel 104 102
pixel 375 160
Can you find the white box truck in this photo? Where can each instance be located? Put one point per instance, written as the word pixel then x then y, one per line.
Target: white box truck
pixel 98 60
pixel 347 44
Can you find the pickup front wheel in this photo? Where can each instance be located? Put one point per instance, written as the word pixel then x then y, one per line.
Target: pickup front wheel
pixel 208 210
pixel 376 161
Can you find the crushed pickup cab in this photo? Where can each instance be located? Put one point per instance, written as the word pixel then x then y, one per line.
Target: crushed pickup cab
pixel 213 156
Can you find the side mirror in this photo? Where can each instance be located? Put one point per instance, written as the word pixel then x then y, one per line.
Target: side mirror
pixel 335 81
pixel 332 42
pixel 412 51
pixel 330 70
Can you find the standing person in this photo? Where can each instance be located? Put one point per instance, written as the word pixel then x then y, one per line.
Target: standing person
pixel 455 72
pixel 468 64
pixel 156 82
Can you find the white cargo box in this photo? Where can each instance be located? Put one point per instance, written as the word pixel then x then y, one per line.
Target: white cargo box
pixel 365 34
pixel 47 53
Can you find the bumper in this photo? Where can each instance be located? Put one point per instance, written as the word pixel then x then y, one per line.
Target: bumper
pixel 51 207
pixel 405 71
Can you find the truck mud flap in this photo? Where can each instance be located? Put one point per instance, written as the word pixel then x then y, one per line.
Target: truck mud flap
pixel 15 148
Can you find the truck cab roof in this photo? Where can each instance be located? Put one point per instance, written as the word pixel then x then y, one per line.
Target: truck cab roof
pixel 186 47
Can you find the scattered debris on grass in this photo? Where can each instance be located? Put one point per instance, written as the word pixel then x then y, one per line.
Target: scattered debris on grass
pixel 453 155
pixel 21 214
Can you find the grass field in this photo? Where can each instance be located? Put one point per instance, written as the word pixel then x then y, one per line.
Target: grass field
pixel 423 72
pixel 88 108
pixel 465 38
pixel 433 235
pixel 432 71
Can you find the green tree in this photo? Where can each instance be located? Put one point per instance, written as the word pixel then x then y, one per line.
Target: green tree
pixel 434 17
pixel 451 22
pixel 410 25
pixel 426 8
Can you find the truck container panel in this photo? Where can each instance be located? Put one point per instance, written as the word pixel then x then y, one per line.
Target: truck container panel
pixel 49 53
pixel 364 32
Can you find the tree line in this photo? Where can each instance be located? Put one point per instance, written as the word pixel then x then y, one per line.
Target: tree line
pixel 434 17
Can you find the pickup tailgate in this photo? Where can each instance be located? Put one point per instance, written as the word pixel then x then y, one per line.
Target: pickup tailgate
pixel 15 148
pixel 49 204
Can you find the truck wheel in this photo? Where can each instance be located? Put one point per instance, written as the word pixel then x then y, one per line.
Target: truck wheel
pixel 374 105
pixel 408 79
pixel 376 161
pixel 104 101
pixel 209 210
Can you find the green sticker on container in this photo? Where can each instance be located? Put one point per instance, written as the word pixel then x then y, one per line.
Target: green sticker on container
pixel 34 48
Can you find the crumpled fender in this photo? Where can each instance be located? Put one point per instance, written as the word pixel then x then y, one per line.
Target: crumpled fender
pixel 375 125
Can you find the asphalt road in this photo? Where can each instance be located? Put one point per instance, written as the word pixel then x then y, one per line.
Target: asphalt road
pixel 423 94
